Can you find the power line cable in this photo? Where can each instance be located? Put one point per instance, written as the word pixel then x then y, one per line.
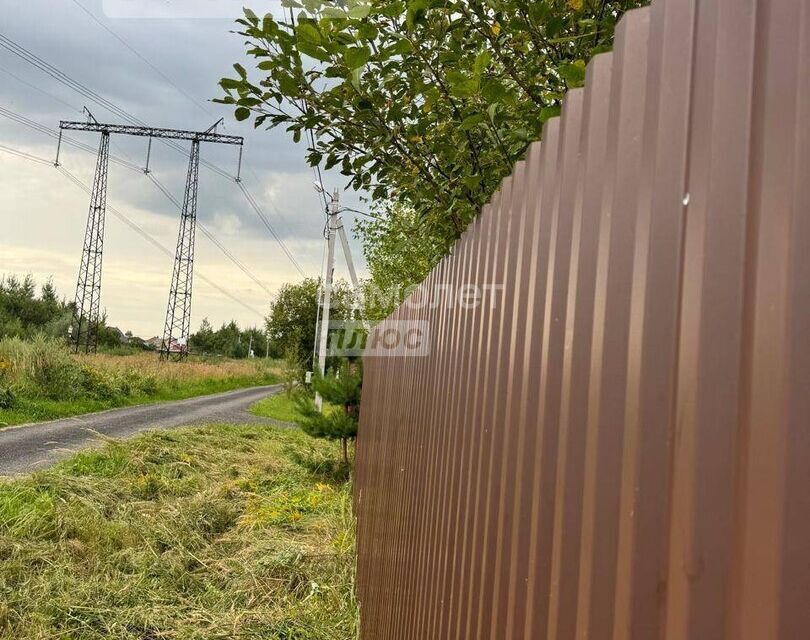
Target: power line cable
pixel 58 75
pixel 142 58
pixel 210 235
pixel 27 156
pixel 43 129
pixel 88 93
pixel 62 77
pixel 148 237
pixel 311 135
pixel 263 218
pixel 56 98
pixel 47 68
pixel 134 226
pixel 40 90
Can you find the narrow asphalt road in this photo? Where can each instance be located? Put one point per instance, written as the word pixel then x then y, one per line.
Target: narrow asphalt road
pixel 28 447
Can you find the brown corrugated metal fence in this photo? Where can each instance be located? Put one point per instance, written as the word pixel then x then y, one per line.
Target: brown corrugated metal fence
pixel 616 442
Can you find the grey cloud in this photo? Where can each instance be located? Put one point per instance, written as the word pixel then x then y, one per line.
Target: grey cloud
pixel 195 54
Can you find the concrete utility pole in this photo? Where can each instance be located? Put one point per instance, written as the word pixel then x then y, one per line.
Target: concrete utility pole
pixel 344 240
pixel 334 229
pixel 334 212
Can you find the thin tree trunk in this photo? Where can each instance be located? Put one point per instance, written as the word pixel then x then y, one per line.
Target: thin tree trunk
pixel 345 446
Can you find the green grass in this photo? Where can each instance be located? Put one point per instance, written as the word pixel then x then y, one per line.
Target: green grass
pixel 204 533
pixel 41 380
pixel 279 407
pixel 36 409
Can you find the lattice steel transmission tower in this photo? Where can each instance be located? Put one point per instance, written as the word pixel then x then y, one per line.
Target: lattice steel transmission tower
pixel 87 309
pixel 88 290
pixel 178 313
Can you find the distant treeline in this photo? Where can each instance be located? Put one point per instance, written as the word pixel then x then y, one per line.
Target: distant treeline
pixel 25 313
pixel 229 341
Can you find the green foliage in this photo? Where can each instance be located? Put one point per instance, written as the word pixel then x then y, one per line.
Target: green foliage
pixel 23 313
pixel 212 532
pixel 40 379
pixel 284 408
pixel 342 389
pixel 229 341
pixel 294 313
pixel 292 369
pixel 112 339
pixel 423 103
pixel 334 425
pixel 44 368
pixel 7 399
pixel 342 386
pixel 398 254
pixel 279 407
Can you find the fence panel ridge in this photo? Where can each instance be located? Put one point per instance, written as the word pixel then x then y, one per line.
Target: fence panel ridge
pixel 608 434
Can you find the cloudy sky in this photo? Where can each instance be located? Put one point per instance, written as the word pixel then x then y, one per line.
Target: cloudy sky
pixel 43 214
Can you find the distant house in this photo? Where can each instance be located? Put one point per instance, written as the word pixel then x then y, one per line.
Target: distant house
pixel 178 346
pixel 153 343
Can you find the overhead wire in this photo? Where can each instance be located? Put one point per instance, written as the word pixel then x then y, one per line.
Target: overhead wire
pixel 156 243
pixel 311 136
pixel 72 107
pixel 322 191
pixel 26 155
pixel 210 235
pixel 255 205
pixel 47 68
pixel 58 75
pixel 40 90
pixel 142 58
pixel 63 78
pixel 36 126
pixel 165 191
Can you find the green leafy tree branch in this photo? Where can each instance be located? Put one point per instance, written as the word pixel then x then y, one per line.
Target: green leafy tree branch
pixel 423 103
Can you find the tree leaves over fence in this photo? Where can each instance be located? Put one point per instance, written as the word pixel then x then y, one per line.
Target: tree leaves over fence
pixel 428 102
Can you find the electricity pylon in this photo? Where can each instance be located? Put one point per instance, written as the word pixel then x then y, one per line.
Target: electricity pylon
pixel 87 308
pixel 84 331
pixel 178 312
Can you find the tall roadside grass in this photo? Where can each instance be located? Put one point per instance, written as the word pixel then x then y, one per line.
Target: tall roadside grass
pixel 205 533
pixel 40 379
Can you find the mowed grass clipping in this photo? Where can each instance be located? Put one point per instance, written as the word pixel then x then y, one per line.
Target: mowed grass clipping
pixel 213 532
